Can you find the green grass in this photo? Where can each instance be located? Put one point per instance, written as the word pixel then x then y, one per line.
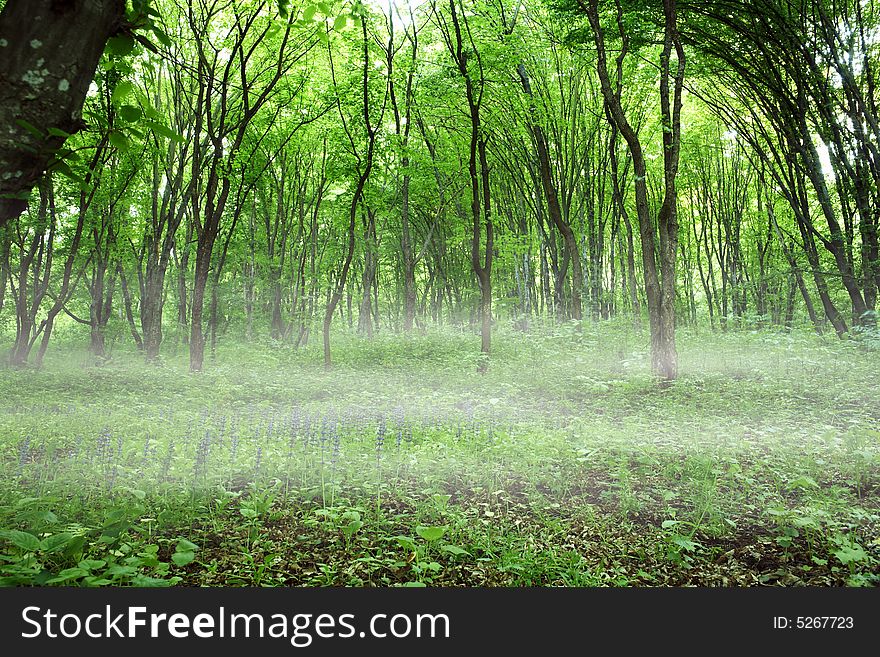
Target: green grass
pixel 565 465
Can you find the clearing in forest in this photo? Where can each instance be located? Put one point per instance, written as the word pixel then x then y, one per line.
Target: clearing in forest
pixel 564 465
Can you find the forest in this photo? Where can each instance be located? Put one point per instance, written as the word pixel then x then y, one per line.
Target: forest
pixel 439 292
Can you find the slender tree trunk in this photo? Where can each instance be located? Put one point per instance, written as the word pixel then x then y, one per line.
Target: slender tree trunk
pixel 553 207
pixel 127 303
pixel 200 282
pixel 659 282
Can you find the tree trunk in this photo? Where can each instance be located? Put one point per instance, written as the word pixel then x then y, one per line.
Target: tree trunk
pixel 553 207
pixel 200 282
pixel 50 50
pixel 659 282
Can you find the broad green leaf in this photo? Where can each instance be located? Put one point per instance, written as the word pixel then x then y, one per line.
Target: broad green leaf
pixel 850 554
pixel 803 482
pixel 67 575
pixel 405 542
pixel 352 527
pixel 121 92
pixel 431 534
pixel 184 545
pixel 74 546
pixel 23 540
pixel 152 582
pixel 120 45
pixel 340 22
pixel 164 131
pixel 131 113
pixel 183 558
pixel 120 141
pixel 162 37
pixel 91 580
pixel 55 542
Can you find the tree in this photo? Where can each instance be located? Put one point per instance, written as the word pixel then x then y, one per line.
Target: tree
pixel 364 155
pixel 810 82
pixel 659 285
pixel 49 50
pixel 466 55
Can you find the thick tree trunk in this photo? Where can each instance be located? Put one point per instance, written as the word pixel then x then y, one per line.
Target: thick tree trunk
pixel 151 312
pixel 49 50
pixel 100 308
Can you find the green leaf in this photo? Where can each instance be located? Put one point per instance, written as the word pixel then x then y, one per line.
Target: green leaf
pixel 183 558
pixel 162 37
pixel 340 23
pixel 153 582
pixel 131 114
pixel 74 546
pixel 31 128
pixel 309 13
pixel 120 141
pixel 120 45
pixel 850 554
pixel 803 482
pixel 42 516
pixel 454 549
pixel 405 542
pixel 67 575
pixel 164 131
pixel 121 92
pixel 23 540
pixel 55 542
pixel 666 524
pixel 685 543
pixel 92 564
pixel 57 132
pixel 120 571
pixel 431 534
pixel 184 545
pixel 352 527
pixel 351 515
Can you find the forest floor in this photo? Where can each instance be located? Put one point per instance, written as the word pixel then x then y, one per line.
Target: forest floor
pixel 565 465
